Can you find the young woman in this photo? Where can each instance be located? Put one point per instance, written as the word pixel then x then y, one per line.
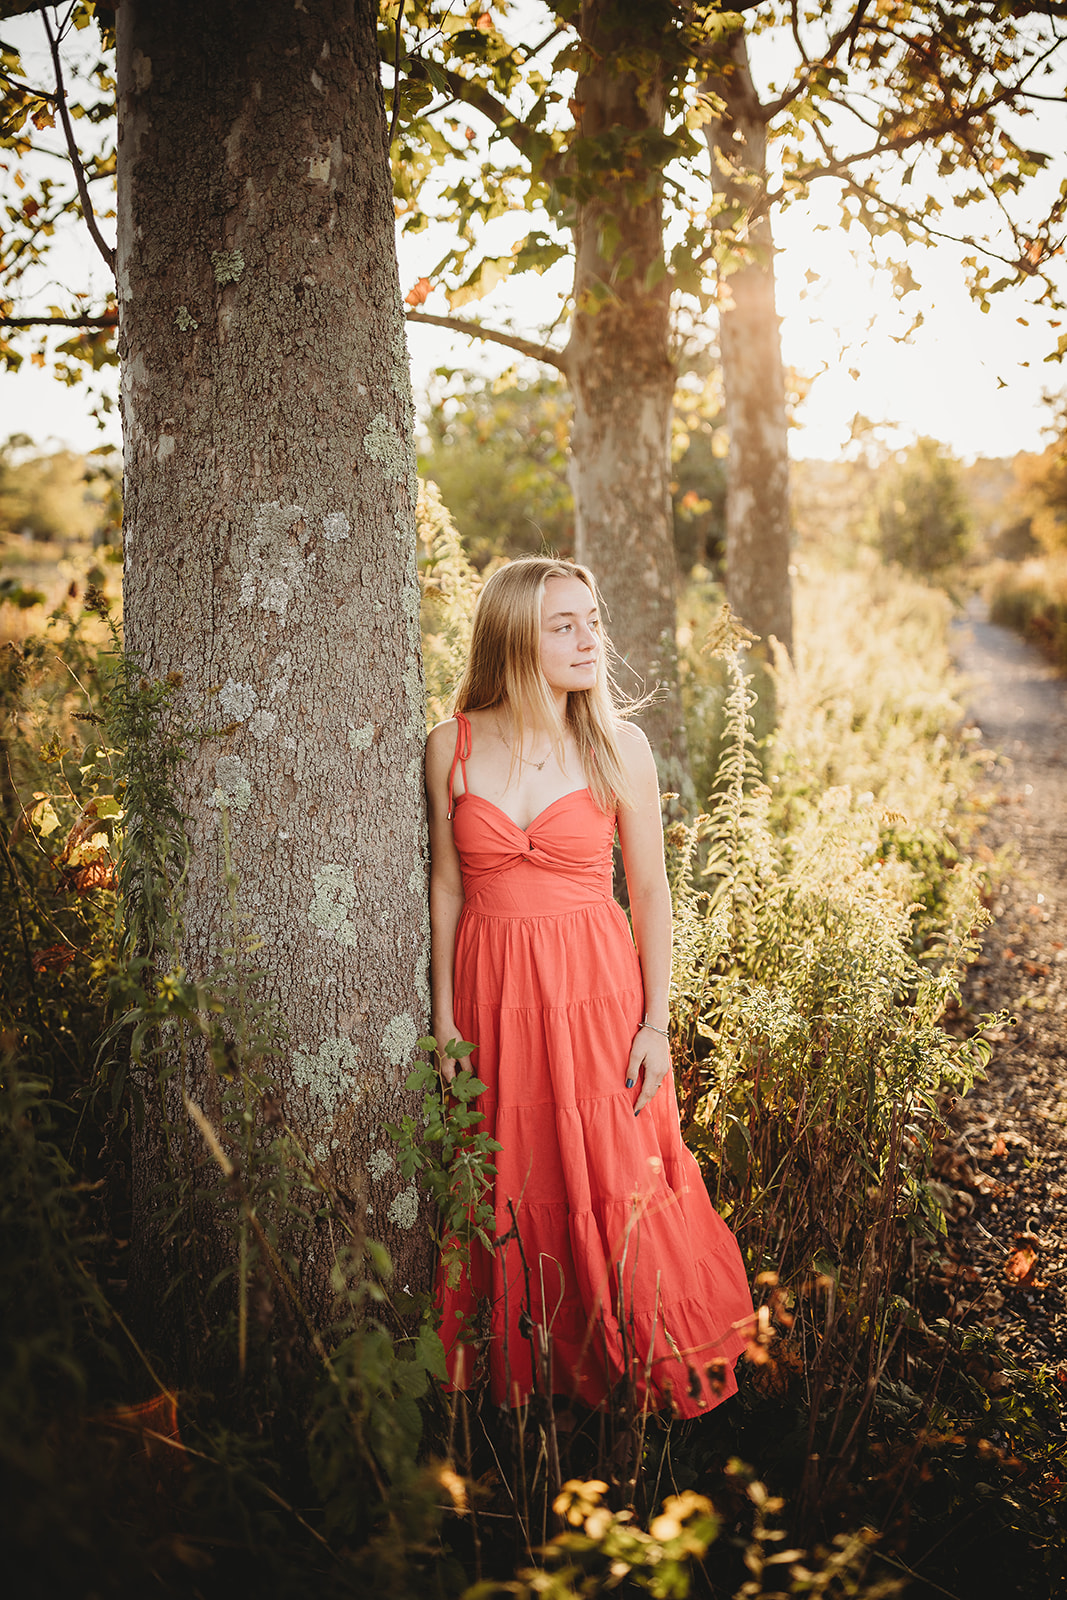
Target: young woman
pixel 611 1262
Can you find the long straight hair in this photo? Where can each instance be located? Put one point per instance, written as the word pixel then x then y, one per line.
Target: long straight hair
pixel 503 672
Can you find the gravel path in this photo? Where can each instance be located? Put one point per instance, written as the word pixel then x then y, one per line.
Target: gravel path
pixel 1007 1165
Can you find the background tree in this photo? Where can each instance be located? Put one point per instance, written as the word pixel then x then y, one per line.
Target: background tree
pixel 497 449
pixel 598 126
pixel 922 516
pixel 46 495
pixel 598 122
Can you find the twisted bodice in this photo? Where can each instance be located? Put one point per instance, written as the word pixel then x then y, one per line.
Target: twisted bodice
pixel 560 862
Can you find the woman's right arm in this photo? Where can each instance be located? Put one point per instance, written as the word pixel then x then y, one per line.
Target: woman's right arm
pixel 446 890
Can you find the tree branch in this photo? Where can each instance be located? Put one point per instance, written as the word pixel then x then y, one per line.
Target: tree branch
pixel 72 150
pixel 474 330
pixel 108 320
pixel 475 94
pixel 840 166
pixel 844 35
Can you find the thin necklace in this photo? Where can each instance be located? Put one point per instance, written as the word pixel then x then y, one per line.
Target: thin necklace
pixel 527 761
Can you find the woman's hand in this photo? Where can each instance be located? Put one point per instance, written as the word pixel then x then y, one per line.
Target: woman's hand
pixel 447 1066
pixel 650 1053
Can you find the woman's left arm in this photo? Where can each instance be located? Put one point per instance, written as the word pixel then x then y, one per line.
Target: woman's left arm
pixel 641 838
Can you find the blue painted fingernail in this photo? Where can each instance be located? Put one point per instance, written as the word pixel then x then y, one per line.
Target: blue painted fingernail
pixel 637 1113
pixel 630 1082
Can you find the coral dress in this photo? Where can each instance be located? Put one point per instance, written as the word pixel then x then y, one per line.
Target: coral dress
pixel 628 1268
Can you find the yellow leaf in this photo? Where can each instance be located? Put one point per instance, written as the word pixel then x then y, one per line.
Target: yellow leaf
pixel 44 817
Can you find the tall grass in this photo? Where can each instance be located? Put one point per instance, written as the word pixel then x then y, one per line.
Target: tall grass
pixel 825 907
pixel 1031 597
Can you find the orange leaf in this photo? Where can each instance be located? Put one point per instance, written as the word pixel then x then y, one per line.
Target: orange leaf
pixel 416 296
pixel 1022 1265
pixel 484 23
pixel 97 874
pixel 1000 1147
pixel 54 958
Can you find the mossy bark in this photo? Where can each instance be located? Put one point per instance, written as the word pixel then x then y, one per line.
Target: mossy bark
pixel 270 547
pixel 619 362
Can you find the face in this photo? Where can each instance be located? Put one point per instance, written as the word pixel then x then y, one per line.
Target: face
pixel 570 635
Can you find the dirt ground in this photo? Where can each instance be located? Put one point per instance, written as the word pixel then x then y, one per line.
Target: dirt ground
pixel 1006 1162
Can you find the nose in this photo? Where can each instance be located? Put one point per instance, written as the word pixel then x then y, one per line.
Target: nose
pixel 587 639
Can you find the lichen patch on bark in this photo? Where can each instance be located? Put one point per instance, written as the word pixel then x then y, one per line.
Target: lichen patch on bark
pixel 399 1039
pixel 329 1079
pixel 237 701
pixel 232 787
pixel 336 526
pixel 335 897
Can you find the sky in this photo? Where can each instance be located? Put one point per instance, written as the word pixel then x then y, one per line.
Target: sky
pixel 973 380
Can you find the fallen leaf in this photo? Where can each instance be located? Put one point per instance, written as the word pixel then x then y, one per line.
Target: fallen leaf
pixel 1021 1266
pixel 1000 1147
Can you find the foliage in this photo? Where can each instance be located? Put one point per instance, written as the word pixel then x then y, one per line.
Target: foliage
pixel 448 1151
pixel 1042 487
pixel 821 930
pixel 1031 597
pixel 498 453
pixel 903 126
pixel 922 516
pixel 906 127
pixel 449 587
pixel 41 202
pixel 823 904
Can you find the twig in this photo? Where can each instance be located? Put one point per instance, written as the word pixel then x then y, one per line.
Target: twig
pixel 72 150
pixel 394 120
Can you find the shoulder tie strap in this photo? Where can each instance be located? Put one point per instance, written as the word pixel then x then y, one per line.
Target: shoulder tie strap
pixel 463 750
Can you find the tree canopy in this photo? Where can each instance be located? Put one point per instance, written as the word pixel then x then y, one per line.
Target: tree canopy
pixel 917 112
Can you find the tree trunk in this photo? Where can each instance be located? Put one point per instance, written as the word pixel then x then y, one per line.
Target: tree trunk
pixel 270 553
pixel 619 363
pixel 757 496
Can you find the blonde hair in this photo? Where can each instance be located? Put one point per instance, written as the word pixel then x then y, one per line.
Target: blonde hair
pixel 504 670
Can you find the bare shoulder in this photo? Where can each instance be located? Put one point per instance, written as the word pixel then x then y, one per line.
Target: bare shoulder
pixel 634 748
pixel 630 736
pixel 440 744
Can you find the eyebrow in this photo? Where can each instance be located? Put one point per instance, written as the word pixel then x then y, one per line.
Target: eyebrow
pixel 557 616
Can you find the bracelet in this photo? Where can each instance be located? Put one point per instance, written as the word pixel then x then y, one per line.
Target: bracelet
pixel 662 1031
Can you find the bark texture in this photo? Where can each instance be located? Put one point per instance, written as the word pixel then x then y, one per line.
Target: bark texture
pixel 269 535
pixel 619 361
pixel 757 496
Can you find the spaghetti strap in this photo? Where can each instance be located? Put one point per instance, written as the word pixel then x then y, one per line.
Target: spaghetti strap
pixel 463 750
